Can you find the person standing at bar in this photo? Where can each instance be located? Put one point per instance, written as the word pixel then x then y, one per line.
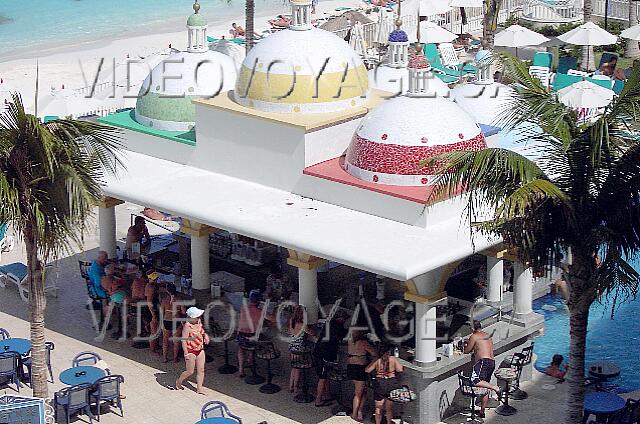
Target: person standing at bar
pixel 481 345
pixel 359 350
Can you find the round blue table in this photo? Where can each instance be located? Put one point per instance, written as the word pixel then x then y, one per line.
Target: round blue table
pixel 217 421
pixel 21 346
pixel 79 375
pixel 602 404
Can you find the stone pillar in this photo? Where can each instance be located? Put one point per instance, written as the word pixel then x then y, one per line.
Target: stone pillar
pixel 107 225
pixel 495 279
pixel 308 292
pixel 307 281
pixel 423 290
pixel 522 290
pixel 199 252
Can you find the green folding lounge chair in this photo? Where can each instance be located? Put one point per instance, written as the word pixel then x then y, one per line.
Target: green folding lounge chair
pixel 565 63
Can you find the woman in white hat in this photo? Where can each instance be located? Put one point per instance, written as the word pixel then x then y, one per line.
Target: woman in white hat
pixel 193 340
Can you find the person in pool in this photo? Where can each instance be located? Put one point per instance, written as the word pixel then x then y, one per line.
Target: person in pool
pixel 194 338
pixel 556 369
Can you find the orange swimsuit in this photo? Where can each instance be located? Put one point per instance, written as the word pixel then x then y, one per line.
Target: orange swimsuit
pixel 195 340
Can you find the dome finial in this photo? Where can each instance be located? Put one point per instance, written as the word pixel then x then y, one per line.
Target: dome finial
pixel 196 7
pixel 399 17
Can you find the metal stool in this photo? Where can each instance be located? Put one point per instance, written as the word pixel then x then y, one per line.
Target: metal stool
pixel 519 361
pixel 467 389
pixel 227 368
pixel 253 379
pixel 302 360
pixel 338 375
pixel 268 352
pixel 508 375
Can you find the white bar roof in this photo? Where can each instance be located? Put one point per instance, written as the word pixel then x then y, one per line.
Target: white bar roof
pixel 363 241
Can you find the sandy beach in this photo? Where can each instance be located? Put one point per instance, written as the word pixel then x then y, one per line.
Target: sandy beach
pixel 74 66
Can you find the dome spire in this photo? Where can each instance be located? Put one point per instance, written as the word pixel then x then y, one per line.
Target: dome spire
pixel 300 15
pixel 483 62
pixel 197 31
pixel 398 44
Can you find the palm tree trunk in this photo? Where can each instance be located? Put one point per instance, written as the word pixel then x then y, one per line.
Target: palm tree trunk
pixel 490 23
pixel 632 49
pixel 580 300
pixel 587 51
pixel 578 320
pixel 37 304
pixel 249 12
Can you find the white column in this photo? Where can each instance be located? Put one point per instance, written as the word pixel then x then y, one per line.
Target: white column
pixel 308 292
pixel 200 262
pixel 495 279
pixel 522 291
pixel 107 225
pixel 425 334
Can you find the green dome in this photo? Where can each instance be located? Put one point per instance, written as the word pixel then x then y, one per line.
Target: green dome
pixel 196 20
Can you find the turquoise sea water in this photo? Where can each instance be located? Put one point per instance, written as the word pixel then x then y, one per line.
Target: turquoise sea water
pixel 34 24
pixel 616 340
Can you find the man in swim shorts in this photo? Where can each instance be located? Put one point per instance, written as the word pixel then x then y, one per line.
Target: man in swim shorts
pixel 481 345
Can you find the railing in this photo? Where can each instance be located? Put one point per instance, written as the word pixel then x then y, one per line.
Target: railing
pixel 546 12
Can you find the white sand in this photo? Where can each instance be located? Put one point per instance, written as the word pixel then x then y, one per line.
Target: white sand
pixel 65 66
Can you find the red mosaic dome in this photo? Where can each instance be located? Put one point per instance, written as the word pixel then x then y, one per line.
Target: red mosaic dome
pixel 418 61
pixel 395 137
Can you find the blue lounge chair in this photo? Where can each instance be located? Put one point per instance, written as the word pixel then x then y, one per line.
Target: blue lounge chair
pixel 565 63
pixel 432 55
pixel 543 59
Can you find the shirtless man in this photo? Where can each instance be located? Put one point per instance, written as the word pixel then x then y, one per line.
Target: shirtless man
pixel 136 234
pixel 481 345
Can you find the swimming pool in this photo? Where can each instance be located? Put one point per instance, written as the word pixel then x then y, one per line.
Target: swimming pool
pixel 616 339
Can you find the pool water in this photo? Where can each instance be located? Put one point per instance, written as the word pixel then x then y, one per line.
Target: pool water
pixel 616 340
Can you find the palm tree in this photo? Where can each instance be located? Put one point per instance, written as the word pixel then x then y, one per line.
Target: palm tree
pixel 50 180
pixel 490 22
pixel 631 48
pixel 249 18
pixel 581 196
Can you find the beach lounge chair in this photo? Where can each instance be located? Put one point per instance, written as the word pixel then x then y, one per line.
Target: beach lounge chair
pixel 565 63
pixel 7 242
pixel 543 59
pixel 17 274
pixel 577 73
pixel 542 73
pixel 433 57
pixel 451 59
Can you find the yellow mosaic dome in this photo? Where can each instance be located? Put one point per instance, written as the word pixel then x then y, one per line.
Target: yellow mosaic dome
pixel 302 69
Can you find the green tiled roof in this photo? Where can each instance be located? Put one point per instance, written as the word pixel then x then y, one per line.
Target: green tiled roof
pixel 196 20
pixel 126 119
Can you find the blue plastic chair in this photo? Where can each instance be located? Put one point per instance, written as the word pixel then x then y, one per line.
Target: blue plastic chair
pixel 217 409
pixel 73 399
pixel 565 63
pixel 10 367
pixel 49 346
pixel 87 358
pixel 4 334
pixel 107 389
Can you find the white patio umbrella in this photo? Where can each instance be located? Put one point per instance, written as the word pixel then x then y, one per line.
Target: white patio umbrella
pixel 518 36
pixel 65 103
pixel 233 50
pixel 430 32
pixel 632 33
pixel 433 7
pixel 588 34
pixel 585 95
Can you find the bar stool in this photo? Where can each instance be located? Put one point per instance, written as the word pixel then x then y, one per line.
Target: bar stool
pixel 226 368
pixel 302 360
pixel 268 352
pixel 508 375
pixel 519 361
pixel 338 375
pixel 250 348
pixel 469 390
